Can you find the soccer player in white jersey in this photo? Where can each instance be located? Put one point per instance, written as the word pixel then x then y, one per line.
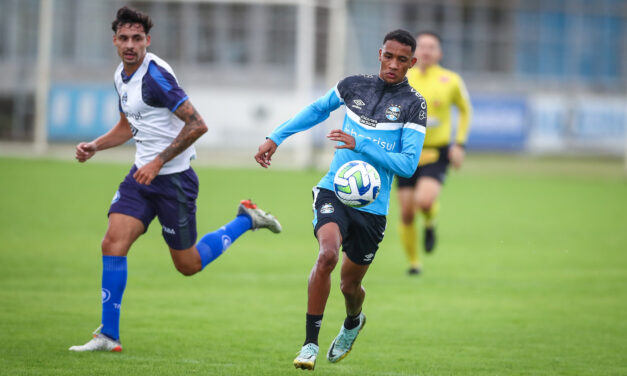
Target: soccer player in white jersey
pixel 157 113
pixel 385 126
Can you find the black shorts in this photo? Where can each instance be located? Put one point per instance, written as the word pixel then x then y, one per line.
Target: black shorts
pixel 435 169
pixel 361 231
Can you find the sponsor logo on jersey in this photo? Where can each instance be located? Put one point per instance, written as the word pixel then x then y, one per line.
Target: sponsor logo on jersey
pixel 168 230
pixel 106 295
pixel 422 115
pixel 136 116
pixel 393 112
pixel 367 121
pixel 327 209
pixel 384 144
pixel 368 257
pixel 423 105
pixel 124 98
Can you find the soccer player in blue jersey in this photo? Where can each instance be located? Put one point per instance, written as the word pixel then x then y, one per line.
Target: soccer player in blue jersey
pixel 156 112
pixel 385 126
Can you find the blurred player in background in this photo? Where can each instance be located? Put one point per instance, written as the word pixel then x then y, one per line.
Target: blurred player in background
pixel 442 89
pixel 157 113
pixel 384 125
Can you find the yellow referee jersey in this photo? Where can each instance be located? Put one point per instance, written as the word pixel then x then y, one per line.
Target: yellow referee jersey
pixel 442 88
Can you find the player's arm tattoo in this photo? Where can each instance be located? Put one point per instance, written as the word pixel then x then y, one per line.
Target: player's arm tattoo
pixel 194 128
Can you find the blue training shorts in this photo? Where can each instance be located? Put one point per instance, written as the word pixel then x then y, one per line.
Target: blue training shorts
pixel 171 197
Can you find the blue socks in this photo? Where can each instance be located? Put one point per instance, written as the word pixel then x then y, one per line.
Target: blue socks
pixel 114 273
pixel 214 243
pixel 114 270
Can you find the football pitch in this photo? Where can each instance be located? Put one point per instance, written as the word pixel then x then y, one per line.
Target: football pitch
pixel 529 277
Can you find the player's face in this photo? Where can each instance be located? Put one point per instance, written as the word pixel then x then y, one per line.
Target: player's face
pixel 131 42
pixel 396 58
pixel 428 50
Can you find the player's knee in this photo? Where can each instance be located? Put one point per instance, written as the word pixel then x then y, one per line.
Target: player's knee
pixel 327 259
pixel 350 287
pixel 188 269
pixel 111 246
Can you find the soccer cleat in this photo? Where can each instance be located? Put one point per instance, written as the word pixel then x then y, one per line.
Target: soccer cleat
pixel 100 342
pixel 343 343
pixel 306 358
pixel 260 218
pixel 429 239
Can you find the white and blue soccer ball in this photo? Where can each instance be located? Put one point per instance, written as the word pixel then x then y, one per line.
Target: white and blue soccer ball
pixel 357 184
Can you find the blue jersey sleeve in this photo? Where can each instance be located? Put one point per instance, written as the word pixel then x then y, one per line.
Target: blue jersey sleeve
pixel 412 139
pixel 160 89
pixel 311 115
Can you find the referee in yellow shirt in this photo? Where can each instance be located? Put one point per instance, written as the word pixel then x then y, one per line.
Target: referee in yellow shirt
pixel 442 89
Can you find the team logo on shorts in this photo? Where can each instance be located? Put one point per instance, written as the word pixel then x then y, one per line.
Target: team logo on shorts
pixel 393 112
pixel 327 209
pixel 106 295
pixel 116 197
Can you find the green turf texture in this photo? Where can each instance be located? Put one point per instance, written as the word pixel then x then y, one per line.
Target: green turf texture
pixel 529 278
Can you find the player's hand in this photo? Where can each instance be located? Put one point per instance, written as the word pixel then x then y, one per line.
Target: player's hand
pixel 340 135
pixel 85 150
pixel 146 173
pixel 456 155
pixel 264 155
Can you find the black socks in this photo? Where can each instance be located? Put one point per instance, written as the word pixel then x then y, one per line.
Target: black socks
pixel 313 328
pixel 352 322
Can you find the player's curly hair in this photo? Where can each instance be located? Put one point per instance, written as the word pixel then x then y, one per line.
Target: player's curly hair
pixel 128 15
pixel 401 36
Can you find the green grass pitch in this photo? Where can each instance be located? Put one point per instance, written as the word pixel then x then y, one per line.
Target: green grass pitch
pixel 529 278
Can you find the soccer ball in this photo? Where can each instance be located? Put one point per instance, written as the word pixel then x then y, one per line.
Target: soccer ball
pixel 356 184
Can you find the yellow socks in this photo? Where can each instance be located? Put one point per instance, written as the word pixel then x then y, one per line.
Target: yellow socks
pixel 408 239
pixel 431 214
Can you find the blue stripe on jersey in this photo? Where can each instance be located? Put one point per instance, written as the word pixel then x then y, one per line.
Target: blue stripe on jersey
pixel 179 103
pixel 155 72
pixel 160 89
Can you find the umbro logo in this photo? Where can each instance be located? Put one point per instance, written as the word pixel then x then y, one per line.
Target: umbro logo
pixel 368 257
pixel 358 104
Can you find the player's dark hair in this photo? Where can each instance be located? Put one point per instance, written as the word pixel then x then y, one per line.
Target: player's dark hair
pixel 128 15
pixel 401 36
pixel 430 33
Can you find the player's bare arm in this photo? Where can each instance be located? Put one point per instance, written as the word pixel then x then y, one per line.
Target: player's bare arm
pixel 118 135
pixel 456 155
pixel 340 135
pixel 194 128
pixel 264 155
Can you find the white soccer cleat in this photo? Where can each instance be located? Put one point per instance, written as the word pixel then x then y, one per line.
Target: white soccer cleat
pixel 260 218
pixel 306 358
pixel 100 342
pixel 343 343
